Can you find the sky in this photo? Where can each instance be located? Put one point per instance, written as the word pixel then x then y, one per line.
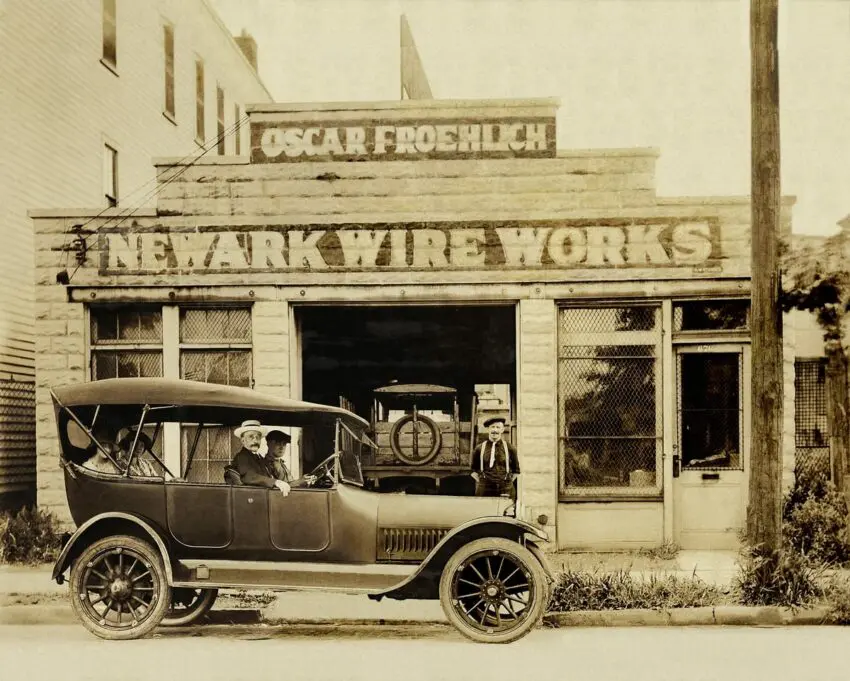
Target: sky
pixel 670 74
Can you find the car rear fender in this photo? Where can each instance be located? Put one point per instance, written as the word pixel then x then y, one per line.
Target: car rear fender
pixel 423 582
pixel 104 525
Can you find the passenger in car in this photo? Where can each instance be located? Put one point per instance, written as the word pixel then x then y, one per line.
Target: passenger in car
pixel 142 464
pixel 250 464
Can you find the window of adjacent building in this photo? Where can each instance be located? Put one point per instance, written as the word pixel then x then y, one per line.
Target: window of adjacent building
pixel 237 123
pixel 110 33
pixel 168 41
pixel 219 107
pixel 200 129
pixel 609 394
pixel 810 417
pixel 209 344
pixel 710 410
pixel 110 174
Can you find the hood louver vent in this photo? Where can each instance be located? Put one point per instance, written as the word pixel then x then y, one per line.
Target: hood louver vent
pixel 407 544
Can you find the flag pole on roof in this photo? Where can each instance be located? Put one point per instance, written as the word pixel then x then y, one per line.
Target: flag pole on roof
pixel 414 81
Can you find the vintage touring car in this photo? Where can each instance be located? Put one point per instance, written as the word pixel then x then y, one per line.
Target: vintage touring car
pixel 153 545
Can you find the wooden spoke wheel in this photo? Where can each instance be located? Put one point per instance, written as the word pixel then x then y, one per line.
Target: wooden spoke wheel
pixel 119 589
pixel 188 606
pixel 493 590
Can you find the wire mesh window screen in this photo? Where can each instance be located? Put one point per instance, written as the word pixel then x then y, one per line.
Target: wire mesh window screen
pixel 710 410
pixel 609 395
pixel 215 348
pixel 126 364
pixel 215 448
pixel 227 325
pixel 130 325
pixel 225 367
pixel 810 416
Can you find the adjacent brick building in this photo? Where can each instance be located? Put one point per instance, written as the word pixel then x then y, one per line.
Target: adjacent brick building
pixel 445 242
pixel 92 90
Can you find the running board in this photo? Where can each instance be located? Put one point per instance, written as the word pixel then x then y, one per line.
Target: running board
pixel 340 577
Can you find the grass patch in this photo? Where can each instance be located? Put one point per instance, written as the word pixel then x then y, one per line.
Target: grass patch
pixel 247 599
pixel 577 590
pixel 782 577
pixel 29 536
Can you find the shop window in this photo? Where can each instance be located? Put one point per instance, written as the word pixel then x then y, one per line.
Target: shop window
pixel 168 41
pixel 221 138
pixel 200 113
pixel 110 34
pixel 215 347
pixel 710 410
pixel 711 315
pixel 126 342
pixel 609 399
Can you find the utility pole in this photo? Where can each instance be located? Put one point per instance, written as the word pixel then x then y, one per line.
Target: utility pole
pixel 764 513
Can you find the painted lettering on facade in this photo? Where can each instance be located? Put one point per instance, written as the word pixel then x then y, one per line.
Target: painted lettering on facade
pixel 556 244
pixel 273 142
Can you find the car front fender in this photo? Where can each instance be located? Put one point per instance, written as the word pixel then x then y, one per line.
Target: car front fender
pixel 94 529
pixel 491 526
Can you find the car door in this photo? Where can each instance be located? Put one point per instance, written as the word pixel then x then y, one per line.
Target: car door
pixel 199 514
pixel 300 521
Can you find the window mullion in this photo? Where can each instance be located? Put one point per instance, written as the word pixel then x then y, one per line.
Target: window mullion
pixel 171 369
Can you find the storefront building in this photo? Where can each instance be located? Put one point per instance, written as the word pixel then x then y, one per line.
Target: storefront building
pixel 444 242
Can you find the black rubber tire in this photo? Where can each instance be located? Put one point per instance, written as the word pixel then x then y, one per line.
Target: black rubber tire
pixel 145 579
pixel 436 436
pixel 459 568
pixel 201 604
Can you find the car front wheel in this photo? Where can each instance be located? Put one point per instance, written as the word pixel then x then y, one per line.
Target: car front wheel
pixel 119 588
pixel 493 590
pixel 188 606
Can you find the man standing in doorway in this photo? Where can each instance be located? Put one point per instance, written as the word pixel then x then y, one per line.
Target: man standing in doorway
pixel 495 464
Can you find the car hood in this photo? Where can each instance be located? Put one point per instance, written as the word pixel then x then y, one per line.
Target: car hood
pixel 433 511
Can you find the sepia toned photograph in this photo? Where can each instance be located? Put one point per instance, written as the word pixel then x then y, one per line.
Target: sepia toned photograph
pixel 425 339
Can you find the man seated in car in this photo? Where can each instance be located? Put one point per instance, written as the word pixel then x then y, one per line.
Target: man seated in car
pixel 253 468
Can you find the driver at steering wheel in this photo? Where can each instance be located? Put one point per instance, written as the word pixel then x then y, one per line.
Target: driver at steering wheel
pixel 277 442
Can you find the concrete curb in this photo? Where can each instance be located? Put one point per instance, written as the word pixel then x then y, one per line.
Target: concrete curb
pixel 728 615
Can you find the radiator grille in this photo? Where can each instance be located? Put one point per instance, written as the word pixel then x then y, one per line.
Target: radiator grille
pixel 395 543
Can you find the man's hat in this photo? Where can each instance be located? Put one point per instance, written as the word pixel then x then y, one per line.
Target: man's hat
pixel 248 426
pixel 495 419
pixel 126 440
pixel 278 436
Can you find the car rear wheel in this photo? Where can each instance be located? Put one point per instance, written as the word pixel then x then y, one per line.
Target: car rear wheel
pixel 119 589
pixel 188 606
pixel 493 590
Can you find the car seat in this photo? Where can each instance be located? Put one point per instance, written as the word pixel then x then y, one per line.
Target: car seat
pixel 231 476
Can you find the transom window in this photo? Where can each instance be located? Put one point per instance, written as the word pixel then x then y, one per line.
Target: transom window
pixel 711 315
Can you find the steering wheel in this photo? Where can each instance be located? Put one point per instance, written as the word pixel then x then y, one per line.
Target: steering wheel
pixel 323 473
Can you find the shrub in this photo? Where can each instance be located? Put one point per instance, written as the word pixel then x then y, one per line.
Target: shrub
pixel 576 590
pixel 31 535
pixel 838 600
pixel 776 578
pixel 815 520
